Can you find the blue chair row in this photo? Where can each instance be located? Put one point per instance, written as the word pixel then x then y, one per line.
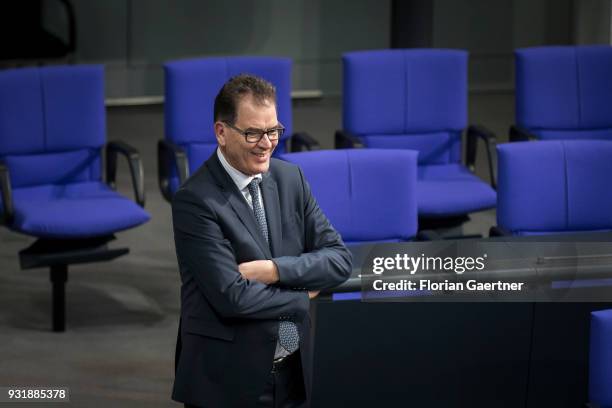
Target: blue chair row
pixel 549 187
pixel 52 133
pixel 563 97
pixel 425 111
pixel 52 185
pixel 416 99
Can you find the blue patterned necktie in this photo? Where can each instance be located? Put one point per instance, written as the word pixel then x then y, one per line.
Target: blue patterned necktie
pixel 287 331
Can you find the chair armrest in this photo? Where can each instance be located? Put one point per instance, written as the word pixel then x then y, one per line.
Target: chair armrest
pixel 135 163
pixel 497 231
pixel 519 134
pixel 168 153
pixel 302 141
pixel 347 140
pixel 7 195
pixel 474 133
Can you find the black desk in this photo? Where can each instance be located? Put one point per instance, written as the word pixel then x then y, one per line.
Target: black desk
pixel 451 354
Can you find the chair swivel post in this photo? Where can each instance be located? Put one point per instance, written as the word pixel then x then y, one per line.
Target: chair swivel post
pixel 59 276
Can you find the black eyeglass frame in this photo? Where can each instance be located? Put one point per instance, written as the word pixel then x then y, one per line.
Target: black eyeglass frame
pixel 259 133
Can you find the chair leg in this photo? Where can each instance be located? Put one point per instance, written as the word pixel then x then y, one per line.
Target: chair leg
pixel 59 276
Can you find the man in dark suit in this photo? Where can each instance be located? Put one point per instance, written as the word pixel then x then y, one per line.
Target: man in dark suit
pixel 253 248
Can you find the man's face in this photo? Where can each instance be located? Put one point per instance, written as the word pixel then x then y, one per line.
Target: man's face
pixel 248 158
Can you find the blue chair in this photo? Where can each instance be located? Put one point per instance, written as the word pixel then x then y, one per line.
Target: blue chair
pixel 600 359
pixel 368 196
pixel 190 90
pixel 563 92
pixel 52 132
pixel 554 187
pixel 417 99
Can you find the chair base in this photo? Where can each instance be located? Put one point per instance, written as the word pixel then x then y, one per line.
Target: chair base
pixel 57 255
pixel 59 276
pixel 443 222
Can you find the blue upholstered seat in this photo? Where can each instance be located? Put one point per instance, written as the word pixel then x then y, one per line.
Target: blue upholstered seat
pixel 74 210
pixel 369 196
pixel 445 190
pixel 190 88
pixel 555 186
pixel 564 92
pixel 52 131
pixel 600 359
pixel 416 99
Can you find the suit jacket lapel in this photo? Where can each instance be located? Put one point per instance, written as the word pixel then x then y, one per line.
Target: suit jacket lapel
pixel 238 203
pixel 269 194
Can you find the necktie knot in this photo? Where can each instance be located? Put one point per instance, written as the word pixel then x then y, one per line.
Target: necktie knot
pixel 252 186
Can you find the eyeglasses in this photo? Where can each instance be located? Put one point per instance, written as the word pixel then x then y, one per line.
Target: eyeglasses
pixel 255 135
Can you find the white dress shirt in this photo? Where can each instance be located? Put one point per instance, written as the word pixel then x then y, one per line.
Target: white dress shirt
pixel 240 179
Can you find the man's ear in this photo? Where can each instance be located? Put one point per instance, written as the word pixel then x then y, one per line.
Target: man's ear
pixel 220 133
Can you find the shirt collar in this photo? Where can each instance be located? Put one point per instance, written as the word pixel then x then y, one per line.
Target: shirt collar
pixel 240 179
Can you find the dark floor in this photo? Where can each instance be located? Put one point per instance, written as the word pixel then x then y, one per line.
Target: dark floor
pixel 122 315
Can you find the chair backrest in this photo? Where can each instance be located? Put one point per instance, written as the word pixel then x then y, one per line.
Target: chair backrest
pixel 600 358
pixel 367 195
pixel 52 124
pixel 190 90
pixel 411 98
pixel 554 186
pixel 565 92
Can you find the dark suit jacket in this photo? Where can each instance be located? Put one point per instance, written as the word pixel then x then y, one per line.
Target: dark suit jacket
pixel 229 325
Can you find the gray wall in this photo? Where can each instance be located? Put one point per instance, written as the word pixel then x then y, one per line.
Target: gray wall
pixel 491 29
pixel 592 17
pixel 134 37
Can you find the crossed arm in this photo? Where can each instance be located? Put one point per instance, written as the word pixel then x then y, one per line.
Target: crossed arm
pixel 207 259
pixel 246 289
pixel 326 261
pixel 266 272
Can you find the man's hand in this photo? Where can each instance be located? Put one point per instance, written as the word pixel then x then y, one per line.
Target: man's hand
pixel 313 294
pixel 263 271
